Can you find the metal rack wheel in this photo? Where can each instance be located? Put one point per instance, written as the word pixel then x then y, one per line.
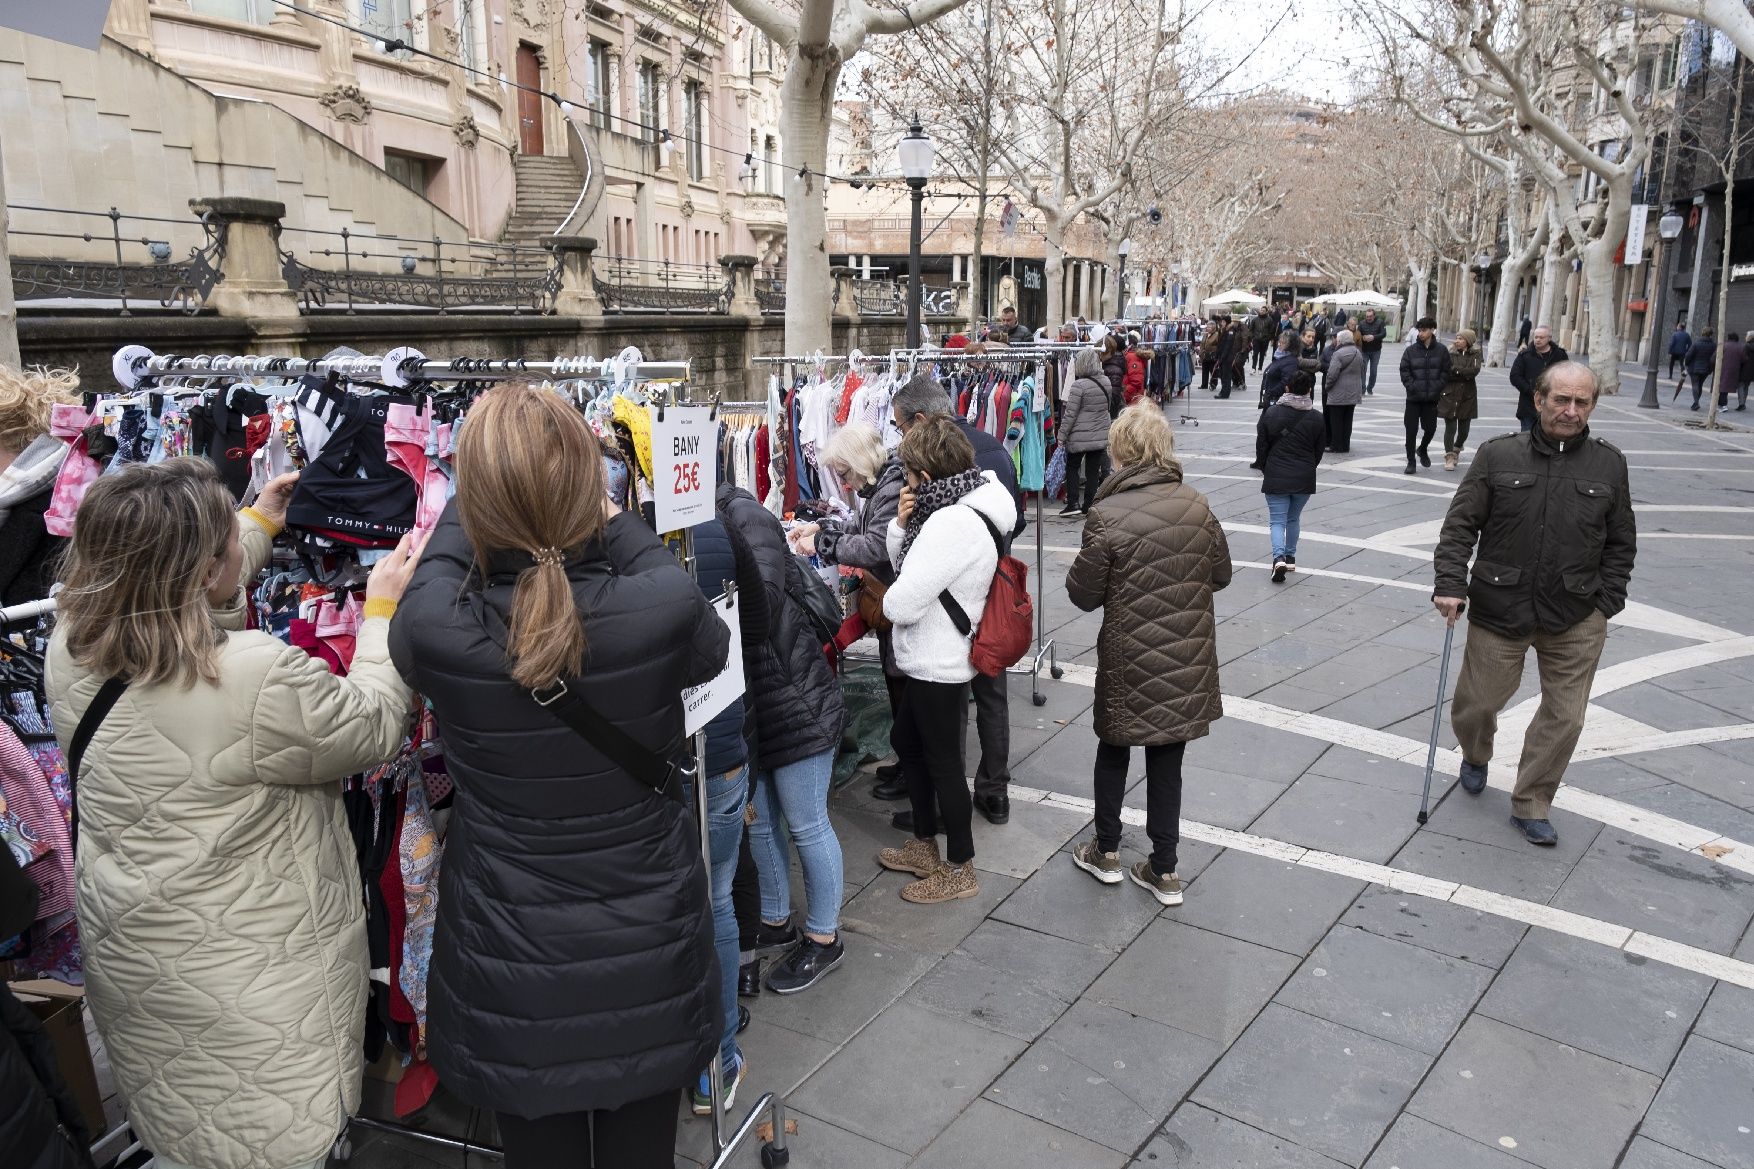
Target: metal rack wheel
pixel 772 1158
pixel 343 1148
pixel 1039 699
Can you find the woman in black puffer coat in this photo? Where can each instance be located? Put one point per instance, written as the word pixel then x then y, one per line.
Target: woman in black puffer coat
pixel 799 714
pixel 573 987
pixel 1289 440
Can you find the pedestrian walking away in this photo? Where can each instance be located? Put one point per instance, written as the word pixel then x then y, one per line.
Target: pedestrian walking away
pixel 1289 439
pixel 1460 403
pixel 1701 362
pixel 1735 352
pixel 1152 556
pixel 1527 369
pixel 1425 368
pixel 1680 341
pixel 1343 391
pixel 1084 431
pixel 1547 517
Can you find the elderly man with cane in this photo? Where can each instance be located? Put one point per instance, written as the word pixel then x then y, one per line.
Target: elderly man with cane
pixel 1551 513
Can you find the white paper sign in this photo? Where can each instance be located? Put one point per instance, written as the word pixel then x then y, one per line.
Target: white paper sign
pixel 1635 235
pixel 701 703
pixel 684 442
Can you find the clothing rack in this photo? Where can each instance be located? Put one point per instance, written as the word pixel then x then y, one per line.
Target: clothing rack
pixel 134 365
pixel 28 611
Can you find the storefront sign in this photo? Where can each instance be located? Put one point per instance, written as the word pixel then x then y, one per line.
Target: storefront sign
pixel 1635 234
pixel 1032 279
pixel 683 465
pixel 701 703
pixel 1742 271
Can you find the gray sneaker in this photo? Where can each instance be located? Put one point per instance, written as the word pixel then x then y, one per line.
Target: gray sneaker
pixel 1473 777
pixel 1104 866
pixel 1167 890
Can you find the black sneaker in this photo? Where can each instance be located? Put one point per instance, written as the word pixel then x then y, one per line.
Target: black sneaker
pixel 1424 458
pixel 892 788
pixel 996 809
pixel 749 979
pixel 1279 571
pixel 776 937
pixel 805 966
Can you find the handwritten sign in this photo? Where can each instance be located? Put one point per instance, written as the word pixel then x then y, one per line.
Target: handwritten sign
pixel 684 443
pixel 701 703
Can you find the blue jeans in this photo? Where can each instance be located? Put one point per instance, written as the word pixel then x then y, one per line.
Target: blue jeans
pixel 798 794
pixel 724 816
pixel 1371 358
pixel 1284 512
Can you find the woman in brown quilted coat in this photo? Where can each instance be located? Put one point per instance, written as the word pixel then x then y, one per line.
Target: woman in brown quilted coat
pixel 1153 555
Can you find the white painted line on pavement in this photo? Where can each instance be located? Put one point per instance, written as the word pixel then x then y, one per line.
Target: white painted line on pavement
pixel 1605 933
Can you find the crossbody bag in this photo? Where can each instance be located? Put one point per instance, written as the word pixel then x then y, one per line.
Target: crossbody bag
pixel 94 715
pixel 664 776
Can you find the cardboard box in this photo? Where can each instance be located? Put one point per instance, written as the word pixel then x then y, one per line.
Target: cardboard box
pixel 61 1008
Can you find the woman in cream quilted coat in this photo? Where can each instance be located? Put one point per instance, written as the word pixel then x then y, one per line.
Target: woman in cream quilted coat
pixel 1153 555
pixel 218 896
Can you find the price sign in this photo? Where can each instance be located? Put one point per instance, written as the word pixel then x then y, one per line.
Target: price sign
pixel 701 703
pixel 684 442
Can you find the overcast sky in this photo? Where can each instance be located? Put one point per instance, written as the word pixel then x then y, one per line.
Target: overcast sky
pixel 1306 54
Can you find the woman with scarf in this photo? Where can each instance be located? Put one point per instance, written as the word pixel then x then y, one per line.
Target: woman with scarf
pixel 1460 403
pixel 944 543
pixel 1288 444
pixel 30 458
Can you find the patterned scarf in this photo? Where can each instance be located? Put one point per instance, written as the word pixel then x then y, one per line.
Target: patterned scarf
pixel 931 496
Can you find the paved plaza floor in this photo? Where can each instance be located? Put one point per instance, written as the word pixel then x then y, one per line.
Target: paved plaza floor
pixel 1341 987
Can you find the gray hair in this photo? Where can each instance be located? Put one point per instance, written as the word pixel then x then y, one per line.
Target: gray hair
pixel 1085 363
pixel 921 395
pixel 1567 369
pixel 1345 337
pixel 857 450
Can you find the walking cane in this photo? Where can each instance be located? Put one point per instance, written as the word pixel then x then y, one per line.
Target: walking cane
pixel 1449 636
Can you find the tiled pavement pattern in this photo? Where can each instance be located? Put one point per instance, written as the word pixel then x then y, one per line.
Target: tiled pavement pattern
pixel 1292 1018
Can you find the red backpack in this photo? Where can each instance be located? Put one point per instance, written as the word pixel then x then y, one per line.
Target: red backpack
pixel 1007 624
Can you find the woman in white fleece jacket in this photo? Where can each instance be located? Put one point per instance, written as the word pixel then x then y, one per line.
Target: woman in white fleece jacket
pixel 945 539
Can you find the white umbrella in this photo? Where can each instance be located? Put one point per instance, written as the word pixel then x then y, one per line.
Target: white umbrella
pixel 1361 296
pixel 1235 296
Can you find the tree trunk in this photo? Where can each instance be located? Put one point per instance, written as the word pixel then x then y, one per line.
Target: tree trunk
pixel 806 106
pixel 1054 261
pixel 977 257
pixel 1598 280
pixel 1417 292
pixel 1553 273
pixel 8 308
pixel 1723 277
pixel 1510 279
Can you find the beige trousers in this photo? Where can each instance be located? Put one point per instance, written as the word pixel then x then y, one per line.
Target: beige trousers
pixel 1492 669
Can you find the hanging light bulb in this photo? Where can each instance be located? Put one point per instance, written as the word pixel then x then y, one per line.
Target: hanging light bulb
pixel 566 108
pixel 747 172
pixel 665 146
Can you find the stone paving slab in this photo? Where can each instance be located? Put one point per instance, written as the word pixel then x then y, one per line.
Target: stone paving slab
pixel 990 1137
pixel 1171 975
pixel 1066 903
pixel 1729 1016
pixel 876 973
pixel 1617 1005
pixel 1418 1144
pixel 1394 991
pixel 1647 1154
pixel 1662 891
pixel 880 913
pixel 1552 1105
pixel 1106 1075
pixel 1221 797
pixel 1706 1106
pixel 1315 1083
pixel 1455 930
pixel 1338 816
pixel 907 1076
pixel 1518 871
pixel 1268 902
pixel 1197 1138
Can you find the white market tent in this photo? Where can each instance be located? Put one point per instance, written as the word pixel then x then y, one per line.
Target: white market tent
pixel 1234 296
pixel 1362 297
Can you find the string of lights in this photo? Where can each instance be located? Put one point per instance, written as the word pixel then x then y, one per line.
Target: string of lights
pixel 666 140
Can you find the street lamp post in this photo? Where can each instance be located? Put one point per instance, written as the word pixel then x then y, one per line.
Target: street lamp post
pixel 916 167
pixel 1669 228
pixel 1124 247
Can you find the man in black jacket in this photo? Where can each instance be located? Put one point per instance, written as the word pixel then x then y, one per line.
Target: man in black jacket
pixel 1370 337
pixel 1551 512
pixel 1019 334
pixel 1425 368
pixel 916 401
pixel 1540 356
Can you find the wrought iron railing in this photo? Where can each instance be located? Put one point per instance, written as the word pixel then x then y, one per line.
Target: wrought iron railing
pixel 434 275
pixel 628 285
pixel 878 298
pixel 142 269
pixel 770 290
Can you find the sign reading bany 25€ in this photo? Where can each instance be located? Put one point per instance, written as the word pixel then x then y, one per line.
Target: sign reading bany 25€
pixel 684 443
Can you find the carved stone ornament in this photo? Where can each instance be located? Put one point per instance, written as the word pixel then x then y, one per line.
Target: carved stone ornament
pixel 467 132
pixel 688 206
pixel 346 103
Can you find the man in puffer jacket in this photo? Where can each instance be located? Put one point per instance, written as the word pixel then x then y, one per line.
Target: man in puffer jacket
pixel 1425 370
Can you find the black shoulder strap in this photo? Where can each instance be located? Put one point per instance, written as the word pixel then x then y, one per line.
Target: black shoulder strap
pixel 959 615
pixel 94 715
pixel 641 762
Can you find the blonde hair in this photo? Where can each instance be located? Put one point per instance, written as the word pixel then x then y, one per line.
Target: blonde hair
pixel 856 449
pixel 530 479
pixel 937 448
pixel 26 397
pixel 1142 435
pixel 134 604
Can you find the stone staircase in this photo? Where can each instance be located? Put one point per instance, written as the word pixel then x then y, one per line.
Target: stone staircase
pixel 548 186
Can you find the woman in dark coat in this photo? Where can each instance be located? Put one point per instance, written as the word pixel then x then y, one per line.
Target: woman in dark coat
pixel 1460 403
pixel 1342 390
pixel 1701 360
pixel 799 713
pixel 1153 555
pixel 1289 440
pixel 573 987
pixel 1114 368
